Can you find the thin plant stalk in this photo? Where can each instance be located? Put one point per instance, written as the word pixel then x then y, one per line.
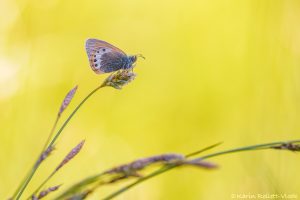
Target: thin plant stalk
pixel 32 172
pixel 67 159
pixel 44 152
pixel 172 166
pixel 43 183
pixel 202 150
pixel 72 114
pixel 51 133
pixel 116 80
pixel 45 145
pixel 95 178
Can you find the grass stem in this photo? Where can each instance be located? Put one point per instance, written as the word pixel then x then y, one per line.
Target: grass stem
pixel 169 167
pixel 33 170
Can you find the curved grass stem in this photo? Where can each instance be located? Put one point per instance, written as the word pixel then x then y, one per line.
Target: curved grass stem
pixel 35 165
pixel 21 189
pixel 169 167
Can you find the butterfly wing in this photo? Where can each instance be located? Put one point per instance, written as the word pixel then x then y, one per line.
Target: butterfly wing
pixel 104 57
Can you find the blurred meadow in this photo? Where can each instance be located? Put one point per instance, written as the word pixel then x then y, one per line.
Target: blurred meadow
pixel 214 71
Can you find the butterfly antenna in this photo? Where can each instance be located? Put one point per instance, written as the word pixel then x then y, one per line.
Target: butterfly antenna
pixel 140 55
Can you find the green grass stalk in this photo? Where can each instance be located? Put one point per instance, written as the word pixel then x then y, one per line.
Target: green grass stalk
pixel 21 189
pixel 169 167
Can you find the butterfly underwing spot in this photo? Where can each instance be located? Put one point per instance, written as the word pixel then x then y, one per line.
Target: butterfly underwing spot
pixel 95 61
pixel 104 57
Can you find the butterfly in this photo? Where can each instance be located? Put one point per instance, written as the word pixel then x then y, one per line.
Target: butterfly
pixel 106 58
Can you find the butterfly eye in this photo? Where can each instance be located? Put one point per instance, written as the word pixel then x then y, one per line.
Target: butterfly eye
pixel 103 50
pixel 95 60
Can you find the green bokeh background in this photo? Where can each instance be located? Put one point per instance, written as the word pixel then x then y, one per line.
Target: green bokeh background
pixel 214 71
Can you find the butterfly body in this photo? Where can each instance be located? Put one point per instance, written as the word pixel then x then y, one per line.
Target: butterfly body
pixel 106 58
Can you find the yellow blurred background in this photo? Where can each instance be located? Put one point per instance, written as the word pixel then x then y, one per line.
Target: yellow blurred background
pixel 214 71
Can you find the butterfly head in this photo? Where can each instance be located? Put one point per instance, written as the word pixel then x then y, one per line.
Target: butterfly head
pixel 132 59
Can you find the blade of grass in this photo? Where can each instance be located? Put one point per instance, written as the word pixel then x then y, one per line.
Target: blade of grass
pixel 202 150
pixel 35 164
pixel 66 101
pixel 93 179
pixel 116 80
pixel 32 172
pixel 67 159
pixel 167 168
